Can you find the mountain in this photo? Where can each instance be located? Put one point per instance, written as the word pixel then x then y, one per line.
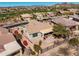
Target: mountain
pixel 65 4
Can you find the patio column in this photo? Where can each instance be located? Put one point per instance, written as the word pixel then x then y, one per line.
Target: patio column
pixel 20 52
pixel 77 27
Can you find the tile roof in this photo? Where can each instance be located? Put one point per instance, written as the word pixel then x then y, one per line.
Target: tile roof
pixel 35 26
pixel 64 21
pixel 27 15
pixel 5 37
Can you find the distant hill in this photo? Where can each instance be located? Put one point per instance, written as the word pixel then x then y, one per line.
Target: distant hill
pixel 67 5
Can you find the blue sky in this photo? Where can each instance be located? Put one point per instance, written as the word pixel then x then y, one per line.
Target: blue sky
pixel 8 4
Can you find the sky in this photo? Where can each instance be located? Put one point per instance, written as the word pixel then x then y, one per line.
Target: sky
pixel 11 4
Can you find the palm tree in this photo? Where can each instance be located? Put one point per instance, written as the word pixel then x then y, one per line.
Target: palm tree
pixel 22 31
pixel 37 48
pixel 21 17
pixel 60 31
pixel 58 13
pixel 17 35
pixel 32 52
pixel 40 43
pixel 1 20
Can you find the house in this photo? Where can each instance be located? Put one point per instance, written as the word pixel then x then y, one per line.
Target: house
pixel 8 44
pixel 38 29
pixel 66 12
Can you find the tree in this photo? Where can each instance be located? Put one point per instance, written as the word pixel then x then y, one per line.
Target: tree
pixel 40 43
pixel 21 18
pixel 74 42
pixel 58 13
pixel 66 51
pixel 77 12
pixel 32 52
pixel 34 16
pixel 22 31
pixel 37 48
pixel 60 31
pixel 17 35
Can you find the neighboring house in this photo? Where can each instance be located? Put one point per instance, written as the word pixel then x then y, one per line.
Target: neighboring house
pixel 27 16
pixel 75 17
pixel 68 23
pixel 62 11
pixel 66 12
pixel 73 10
pixel 44 16
pixel 8 44
pixel 39 16
pixel 50 14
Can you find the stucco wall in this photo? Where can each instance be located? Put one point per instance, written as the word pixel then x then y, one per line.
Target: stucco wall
pixel 39 36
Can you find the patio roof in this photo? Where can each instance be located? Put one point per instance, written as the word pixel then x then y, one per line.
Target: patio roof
pixel 8 43
pixel 10 48
pixel 15 24
pixel 5 36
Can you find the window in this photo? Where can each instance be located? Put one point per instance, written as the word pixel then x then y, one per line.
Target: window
pixel 35 34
